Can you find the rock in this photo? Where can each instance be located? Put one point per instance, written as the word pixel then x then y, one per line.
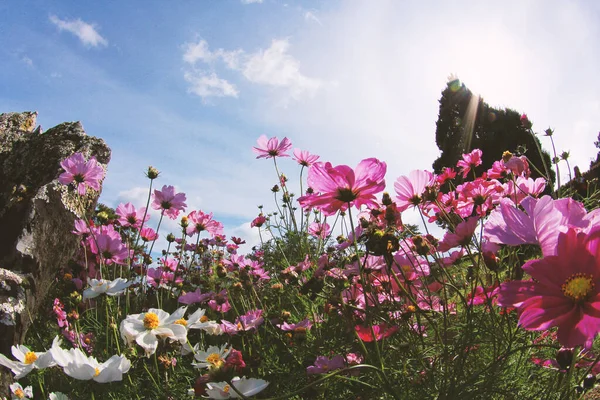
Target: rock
pixel 37 214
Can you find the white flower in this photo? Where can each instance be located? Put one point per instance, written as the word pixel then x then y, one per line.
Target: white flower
pixel 146 327
pixel 58 396
pixel 19 393
pixel 28 360
pixel 79 366
pixel 111 288
pixel 200 321
pixel 248 387
pixel 213 357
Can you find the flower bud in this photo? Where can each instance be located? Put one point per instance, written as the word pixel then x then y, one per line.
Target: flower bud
pixel 170 238
pixel 564 357
pixel 152 173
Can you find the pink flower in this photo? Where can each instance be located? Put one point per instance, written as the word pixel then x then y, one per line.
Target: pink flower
pixel 250 321
pixel 447 175
pixel 381 331
pixel 304 158
pixel 258 221
pixel 320 230
pixel 148 234
pixel 469 161
pixel 110 248
pixel 129 217
pixel 304 325
pixel 323 365
pixel 526 122
pixel 410 188
pixel 338 187
pixel 271 148
pixel 199 221
pixel 461 236
pixel 194 297
pixel 168 201
pixel 83 173
pixel 564 291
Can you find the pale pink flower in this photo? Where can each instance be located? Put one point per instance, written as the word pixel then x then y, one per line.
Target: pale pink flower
pixel 271 148
pixel 304 158
pixel 461 236
pixel 168 201
pixel 411 188
pixel 199 221
pixel 129 217
pixel 319 229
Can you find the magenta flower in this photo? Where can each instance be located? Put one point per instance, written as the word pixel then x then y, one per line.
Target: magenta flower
pixel 168 201
pixel 323 365
pixel 410 188
pixel 83 173
pixel 199 221
pixel 110 248
pixel 563 292
pixel 258 221
pixel 129 217
pixel 148 234
pixel 338 187
pixel 194 297
pixel 271 148
pixel 304 158
pixel 469 161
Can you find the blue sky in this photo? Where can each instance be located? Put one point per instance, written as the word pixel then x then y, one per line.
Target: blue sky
pixel 188 86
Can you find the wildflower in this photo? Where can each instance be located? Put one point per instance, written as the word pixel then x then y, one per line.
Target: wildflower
pixel 410 188
pixel 304 325
pixel 57 396
pixel 469 161
pixel 461 236
pixel 246 386
pixel 110 248
pixel 27 361
pixel 146 328
pixel 130 217
pixel 380 331
pixel 323 365
pixel 168 201
pixel 111 288
pixel 525 122
pixel 152 173
pixel 194 297
pixel 564 290
pixel 271 148
pixel 319 229
pixel 203 222
pixel 79 366
pixel 258 221
pixel 340 187
pixel 18 392
pixel 148 234
pixel 211 358
pixel 447 175
pixel 304 158
pixel 82 173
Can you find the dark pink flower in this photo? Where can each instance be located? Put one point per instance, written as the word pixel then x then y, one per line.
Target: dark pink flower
pixel 148 234
pixel 111 249
pixel 447 175
pixel 304 158
pixel 469 161
pixel 381 331
pixel 271 148
pixel 410 188
pixel 129 217
pixel 82 173
pixel 258 221
pixel 168 201
pixel 563 292
pixel 336 188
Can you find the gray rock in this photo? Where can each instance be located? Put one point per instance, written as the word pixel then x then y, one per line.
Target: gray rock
pixel 37 214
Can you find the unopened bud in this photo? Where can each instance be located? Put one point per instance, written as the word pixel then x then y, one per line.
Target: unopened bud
pixel 152 173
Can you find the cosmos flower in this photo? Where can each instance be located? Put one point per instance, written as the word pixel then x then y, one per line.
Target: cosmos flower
pixel 410 188
pixel 246 386
pixel 304 158
pixel 212 358
pixel 82 173
pixel 199 222
pixel 337 188
pixel 168 201
pixel 564 290
pixel 271 148
pixel 130 217
pixel 469 161
pixel 19 392
pixel 111 288
pixel 27 361
pixel 324 365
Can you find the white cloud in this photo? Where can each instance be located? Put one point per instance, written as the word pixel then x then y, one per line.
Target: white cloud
pixel 207 85
pixel 85 32
pixel 273 67
pixel 311 16
pixel 28 61
pixel 251 1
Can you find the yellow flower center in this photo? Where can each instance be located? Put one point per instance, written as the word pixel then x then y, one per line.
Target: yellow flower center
pixel 226 389
pixel 30 357
pixel 150 321
pixel 97 372
pixel 214 359
pixel 578 287
pixel 19 393
pixel 204 318
pixel 239 325
pixel 181 321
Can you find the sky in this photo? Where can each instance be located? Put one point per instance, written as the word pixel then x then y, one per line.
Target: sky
pixel 188 86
